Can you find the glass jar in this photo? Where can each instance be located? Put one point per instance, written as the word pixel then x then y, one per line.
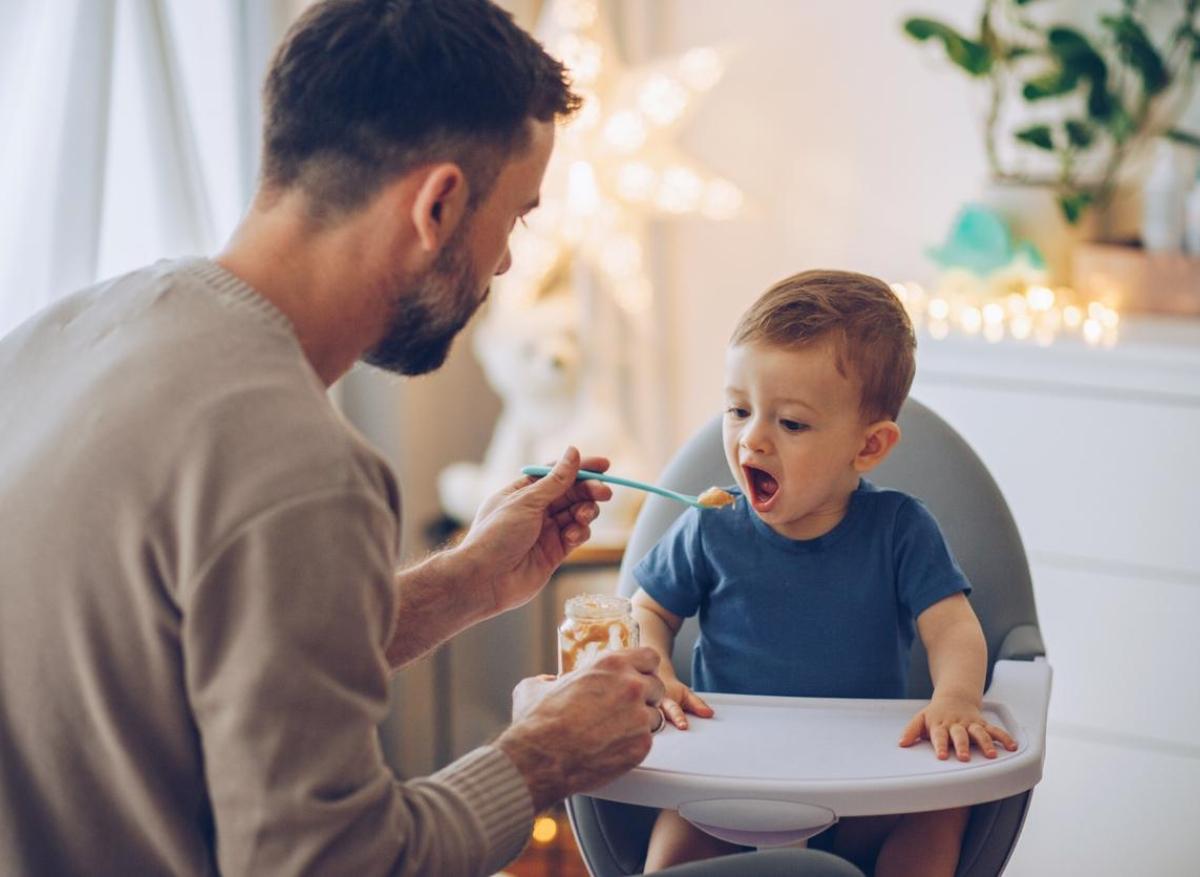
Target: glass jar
pixel 594 623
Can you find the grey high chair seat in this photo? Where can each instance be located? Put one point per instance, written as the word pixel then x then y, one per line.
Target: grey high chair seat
pixel 933 463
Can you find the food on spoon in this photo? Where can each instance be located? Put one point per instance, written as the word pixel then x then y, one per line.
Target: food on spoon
pixel 715 498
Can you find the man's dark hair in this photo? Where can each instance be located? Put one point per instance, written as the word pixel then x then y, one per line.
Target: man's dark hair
pixel 363 90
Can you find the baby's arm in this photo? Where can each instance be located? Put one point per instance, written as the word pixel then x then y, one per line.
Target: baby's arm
pixel 958 667
pixel 658 627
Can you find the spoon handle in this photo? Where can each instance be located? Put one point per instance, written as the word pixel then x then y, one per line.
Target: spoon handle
pixel 588 475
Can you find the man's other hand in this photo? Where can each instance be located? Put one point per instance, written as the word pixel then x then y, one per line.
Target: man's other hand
pixel 588 727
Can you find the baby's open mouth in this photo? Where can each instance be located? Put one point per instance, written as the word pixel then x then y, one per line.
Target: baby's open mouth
pixel 763 487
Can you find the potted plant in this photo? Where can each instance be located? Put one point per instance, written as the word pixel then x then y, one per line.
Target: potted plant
pixel 1087 100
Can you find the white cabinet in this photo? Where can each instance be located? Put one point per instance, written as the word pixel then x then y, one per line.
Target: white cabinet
pixel 1098 454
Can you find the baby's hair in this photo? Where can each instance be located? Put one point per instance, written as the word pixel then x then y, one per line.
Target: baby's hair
pixel 872 335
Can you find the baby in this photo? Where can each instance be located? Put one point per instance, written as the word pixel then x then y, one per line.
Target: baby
pixel 811 582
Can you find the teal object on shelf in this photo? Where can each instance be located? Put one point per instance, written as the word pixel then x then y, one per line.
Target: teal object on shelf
pixel 982 242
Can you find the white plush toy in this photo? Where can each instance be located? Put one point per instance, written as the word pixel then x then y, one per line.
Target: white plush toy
pixel 533 358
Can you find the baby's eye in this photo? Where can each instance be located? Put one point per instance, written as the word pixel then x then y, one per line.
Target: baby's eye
pixel 793 425
pixel 739 413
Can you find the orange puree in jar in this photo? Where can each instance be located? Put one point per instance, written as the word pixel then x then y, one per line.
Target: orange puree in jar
pixel 594 623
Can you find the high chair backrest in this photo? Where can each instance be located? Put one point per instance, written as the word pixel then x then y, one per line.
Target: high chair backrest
pixel 931 462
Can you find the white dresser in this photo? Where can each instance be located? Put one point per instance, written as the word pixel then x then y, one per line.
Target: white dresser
pixel 1098 453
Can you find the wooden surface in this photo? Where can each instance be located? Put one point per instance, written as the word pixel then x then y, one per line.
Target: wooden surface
pixel 559 857
pixel 1137 281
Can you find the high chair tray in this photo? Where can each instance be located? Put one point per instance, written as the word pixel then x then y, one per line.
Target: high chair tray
pixel 767 766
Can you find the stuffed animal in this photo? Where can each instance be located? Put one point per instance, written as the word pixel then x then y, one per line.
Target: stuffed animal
pixel 533 358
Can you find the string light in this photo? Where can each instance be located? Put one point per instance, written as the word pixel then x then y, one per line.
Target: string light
pixel 1034 312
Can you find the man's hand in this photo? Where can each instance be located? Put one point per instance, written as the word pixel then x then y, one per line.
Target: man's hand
pixel 955 721
pixel 588 727
pixel 521 535
pixel 679 699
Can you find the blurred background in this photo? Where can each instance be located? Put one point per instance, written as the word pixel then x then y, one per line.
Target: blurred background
pixel 1024 173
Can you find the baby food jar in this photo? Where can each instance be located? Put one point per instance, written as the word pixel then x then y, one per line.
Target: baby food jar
pixel 594 623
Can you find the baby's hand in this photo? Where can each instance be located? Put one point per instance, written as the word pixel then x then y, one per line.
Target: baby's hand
pixel 680 699
pixel 953 720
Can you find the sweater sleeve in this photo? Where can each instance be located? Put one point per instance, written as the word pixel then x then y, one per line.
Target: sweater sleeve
pixel 283 635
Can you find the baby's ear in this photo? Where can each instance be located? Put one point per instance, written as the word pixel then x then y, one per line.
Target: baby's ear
pixel 878 440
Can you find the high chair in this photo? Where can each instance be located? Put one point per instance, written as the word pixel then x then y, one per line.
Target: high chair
pixel 780 769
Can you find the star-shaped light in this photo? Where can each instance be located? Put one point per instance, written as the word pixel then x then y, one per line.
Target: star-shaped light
pixel 616 164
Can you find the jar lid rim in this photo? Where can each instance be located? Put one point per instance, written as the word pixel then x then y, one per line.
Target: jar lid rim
pixel 597 606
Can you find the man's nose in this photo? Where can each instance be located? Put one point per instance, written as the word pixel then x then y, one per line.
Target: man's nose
pixel 505 263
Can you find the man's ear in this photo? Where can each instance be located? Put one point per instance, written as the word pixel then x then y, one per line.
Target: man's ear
pixel 440 204
pixel 878 440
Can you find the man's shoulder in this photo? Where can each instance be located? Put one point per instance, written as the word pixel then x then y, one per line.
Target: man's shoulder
pixel 209 382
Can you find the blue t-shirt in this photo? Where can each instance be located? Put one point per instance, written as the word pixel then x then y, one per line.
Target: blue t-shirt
pixel 826 617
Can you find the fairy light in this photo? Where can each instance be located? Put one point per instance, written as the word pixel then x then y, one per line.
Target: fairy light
pixel 583 197
pixel 1033 312
pixel 1040 298
pixel 589 114
pixel 972 320
pixel 582 56
pixel 701 68
pixel 1021 326
pixel 679 191
pixel 575 14
pixel 722 200
pixel 662 99
pixel 545 829
pixel 625 131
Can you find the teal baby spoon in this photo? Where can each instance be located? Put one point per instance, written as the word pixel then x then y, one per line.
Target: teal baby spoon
pixel 713 498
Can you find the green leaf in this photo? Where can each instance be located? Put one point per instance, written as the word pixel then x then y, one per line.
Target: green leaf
pixel 1184 138
pixel 1037 135
pixel 1119 123
pixel 1136 50
pixel 1075 60
pixel 1080 134
pixel 973 57
pixel 1074 204
pixel 1073 49
pixel 1052 84
pixel 1101 102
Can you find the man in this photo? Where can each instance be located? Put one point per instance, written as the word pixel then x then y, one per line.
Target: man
pixel 198 603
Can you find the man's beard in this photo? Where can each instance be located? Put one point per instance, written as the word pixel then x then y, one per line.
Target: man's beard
pixel 429 313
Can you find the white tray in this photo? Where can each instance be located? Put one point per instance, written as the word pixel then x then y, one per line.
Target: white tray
pixel 766 771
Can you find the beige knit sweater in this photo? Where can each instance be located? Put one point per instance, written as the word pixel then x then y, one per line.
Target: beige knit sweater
pixel 196 586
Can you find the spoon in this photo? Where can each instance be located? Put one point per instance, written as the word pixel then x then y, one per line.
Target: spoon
pixel 713 498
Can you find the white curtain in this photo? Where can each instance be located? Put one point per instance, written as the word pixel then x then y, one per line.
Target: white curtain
pixel 130 133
